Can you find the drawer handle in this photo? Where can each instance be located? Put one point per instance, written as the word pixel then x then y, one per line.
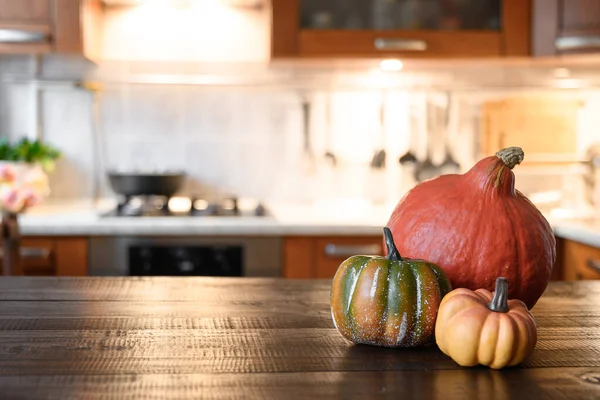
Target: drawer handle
pixel 22 36
pixel 336 250
pixel 593 265
pixel 31 252
pixel 566 43
pixel 400 44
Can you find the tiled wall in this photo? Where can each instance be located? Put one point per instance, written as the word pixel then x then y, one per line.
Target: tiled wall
pixel 246 141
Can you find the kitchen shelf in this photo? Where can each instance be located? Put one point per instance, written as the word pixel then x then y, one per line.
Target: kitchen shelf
pixel 473 75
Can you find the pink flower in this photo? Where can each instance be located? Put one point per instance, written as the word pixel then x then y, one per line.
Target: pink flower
pixel 7 173
pixel 30 198
pixel 12 200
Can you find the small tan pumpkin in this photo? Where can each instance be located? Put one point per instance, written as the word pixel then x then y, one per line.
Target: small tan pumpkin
pixel 478 327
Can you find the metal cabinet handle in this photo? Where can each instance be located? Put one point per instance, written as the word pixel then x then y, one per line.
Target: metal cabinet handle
pixel 335 250
pixel 400 44
pixel 566 43
pixel 31 252
pixel 593 265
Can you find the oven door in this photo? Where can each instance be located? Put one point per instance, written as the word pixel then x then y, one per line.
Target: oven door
pixel 186 256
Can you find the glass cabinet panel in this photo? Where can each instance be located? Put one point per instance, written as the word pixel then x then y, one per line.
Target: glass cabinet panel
pixel 401 14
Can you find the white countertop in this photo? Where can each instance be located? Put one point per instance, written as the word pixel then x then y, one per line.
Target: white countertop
pixel 344 218
pixel 85 218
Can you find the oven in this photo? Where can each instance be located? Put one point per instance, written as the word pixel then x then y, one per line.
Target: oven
pixel 186 256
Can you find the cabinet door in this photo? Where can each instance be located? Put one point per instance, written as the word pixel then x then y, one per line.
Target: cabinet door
pixel 25 26
pixel 67 256
pixel 581 262
pixel 319 257
pixel 37 257
pixel 332 251
pixel 299 258
pixel 51 26
pixel 25 11
pixel 566 27
pixel 408 28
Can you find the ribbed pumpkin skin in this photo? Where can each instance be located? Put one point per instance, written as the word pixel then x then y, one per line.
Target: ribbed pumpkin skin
pixel 391 303
pixel 472 334
pixel 477 227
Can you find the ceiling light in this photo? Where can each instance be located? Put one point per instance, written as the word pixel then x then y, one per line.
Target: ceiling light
pixel 391 65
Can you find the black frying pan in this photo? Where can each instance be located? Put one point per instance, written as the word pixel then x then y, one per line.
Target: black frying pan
pixel 145 184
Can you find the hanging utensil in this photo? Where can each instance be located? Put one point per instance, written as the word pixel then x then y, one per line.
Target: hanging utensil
pixel 410 158
pixel 427 169
pixel 309 156
pixel 449 165
pixel 378 160
pixel 330 157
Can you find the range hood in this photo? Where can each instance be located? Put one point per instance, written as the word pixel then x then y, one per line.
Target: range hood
pixel 184 3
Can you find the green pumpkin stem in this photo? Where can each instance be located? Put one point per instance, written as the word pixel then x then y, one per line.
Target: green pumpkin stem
pixel 392 251
pixel 500 301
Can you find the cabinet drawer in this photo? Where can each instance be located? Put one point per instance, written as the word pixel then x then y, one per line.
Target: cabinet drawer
pixel 331 251
pixel 37 256
pixel 581 261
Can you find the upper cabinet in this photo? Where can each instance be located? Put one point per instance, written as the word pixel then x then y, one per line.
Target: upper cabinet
pixel 566 27
pixel 50 26
pixel 406 28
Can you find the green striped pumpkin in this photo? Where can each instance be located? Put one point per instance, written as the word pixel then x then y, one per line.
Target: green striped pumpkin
pixel 387 301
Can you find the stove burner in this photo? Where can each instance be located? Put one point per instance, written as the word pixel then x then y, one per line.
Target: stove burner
pixel 156 206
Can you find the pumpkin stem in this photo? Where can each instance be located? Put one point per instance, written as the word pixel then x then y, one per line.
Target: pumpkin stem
pixel 511 156
pixel 500 301
pixel 393 253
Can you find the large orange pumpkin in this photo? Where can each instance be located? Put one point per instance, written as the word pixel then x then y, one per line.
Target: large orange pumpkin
pixel 477 227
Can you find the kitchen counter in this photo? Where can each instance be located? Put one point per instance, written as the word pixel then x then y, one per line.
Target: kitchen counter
pixel 340 218
pixel 167 338
pixel 319 219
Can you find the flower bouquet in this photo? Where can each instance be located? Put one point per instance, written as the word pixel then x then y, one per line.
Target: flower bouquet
pixel 24 168
pixel 23 174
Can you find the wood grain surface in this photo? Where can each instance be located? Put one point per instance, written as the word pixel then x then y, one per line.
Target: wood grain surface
pixel 173 338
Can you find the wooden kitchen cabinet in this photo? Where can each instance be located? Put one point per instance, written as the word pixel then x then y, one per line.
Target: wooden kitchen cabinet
pixel 580 261
pixel 402 28
pixel 50 26
pixel 565 27
pixel 319 257
pixel 25 11
pixel 61 256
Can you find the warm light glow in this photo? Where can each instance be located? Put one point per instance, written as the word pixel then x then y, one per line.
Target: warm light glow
pixel 200 204
pixel 180 204
pixel 562 73
pixel 185 30
pixel 392 65
pixel 569 83
pixel 377 78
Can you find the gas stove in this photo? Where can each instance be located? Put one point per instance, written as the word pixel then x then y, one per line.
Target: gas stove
pixel 162 206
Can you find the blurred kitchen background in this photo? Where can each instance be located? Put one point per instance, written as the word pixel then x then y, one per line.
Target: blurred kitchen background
pixel 306 102
pixel 191 85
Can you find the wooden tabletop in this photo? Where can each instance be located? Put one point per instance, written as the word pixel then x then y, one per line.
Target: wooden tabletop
pixel 174 338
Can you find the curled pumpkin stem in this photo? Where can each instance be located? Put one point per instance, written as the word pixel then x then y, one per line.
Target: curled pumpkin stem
pixel 499 302
pixel 393 253
pixel 511 156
